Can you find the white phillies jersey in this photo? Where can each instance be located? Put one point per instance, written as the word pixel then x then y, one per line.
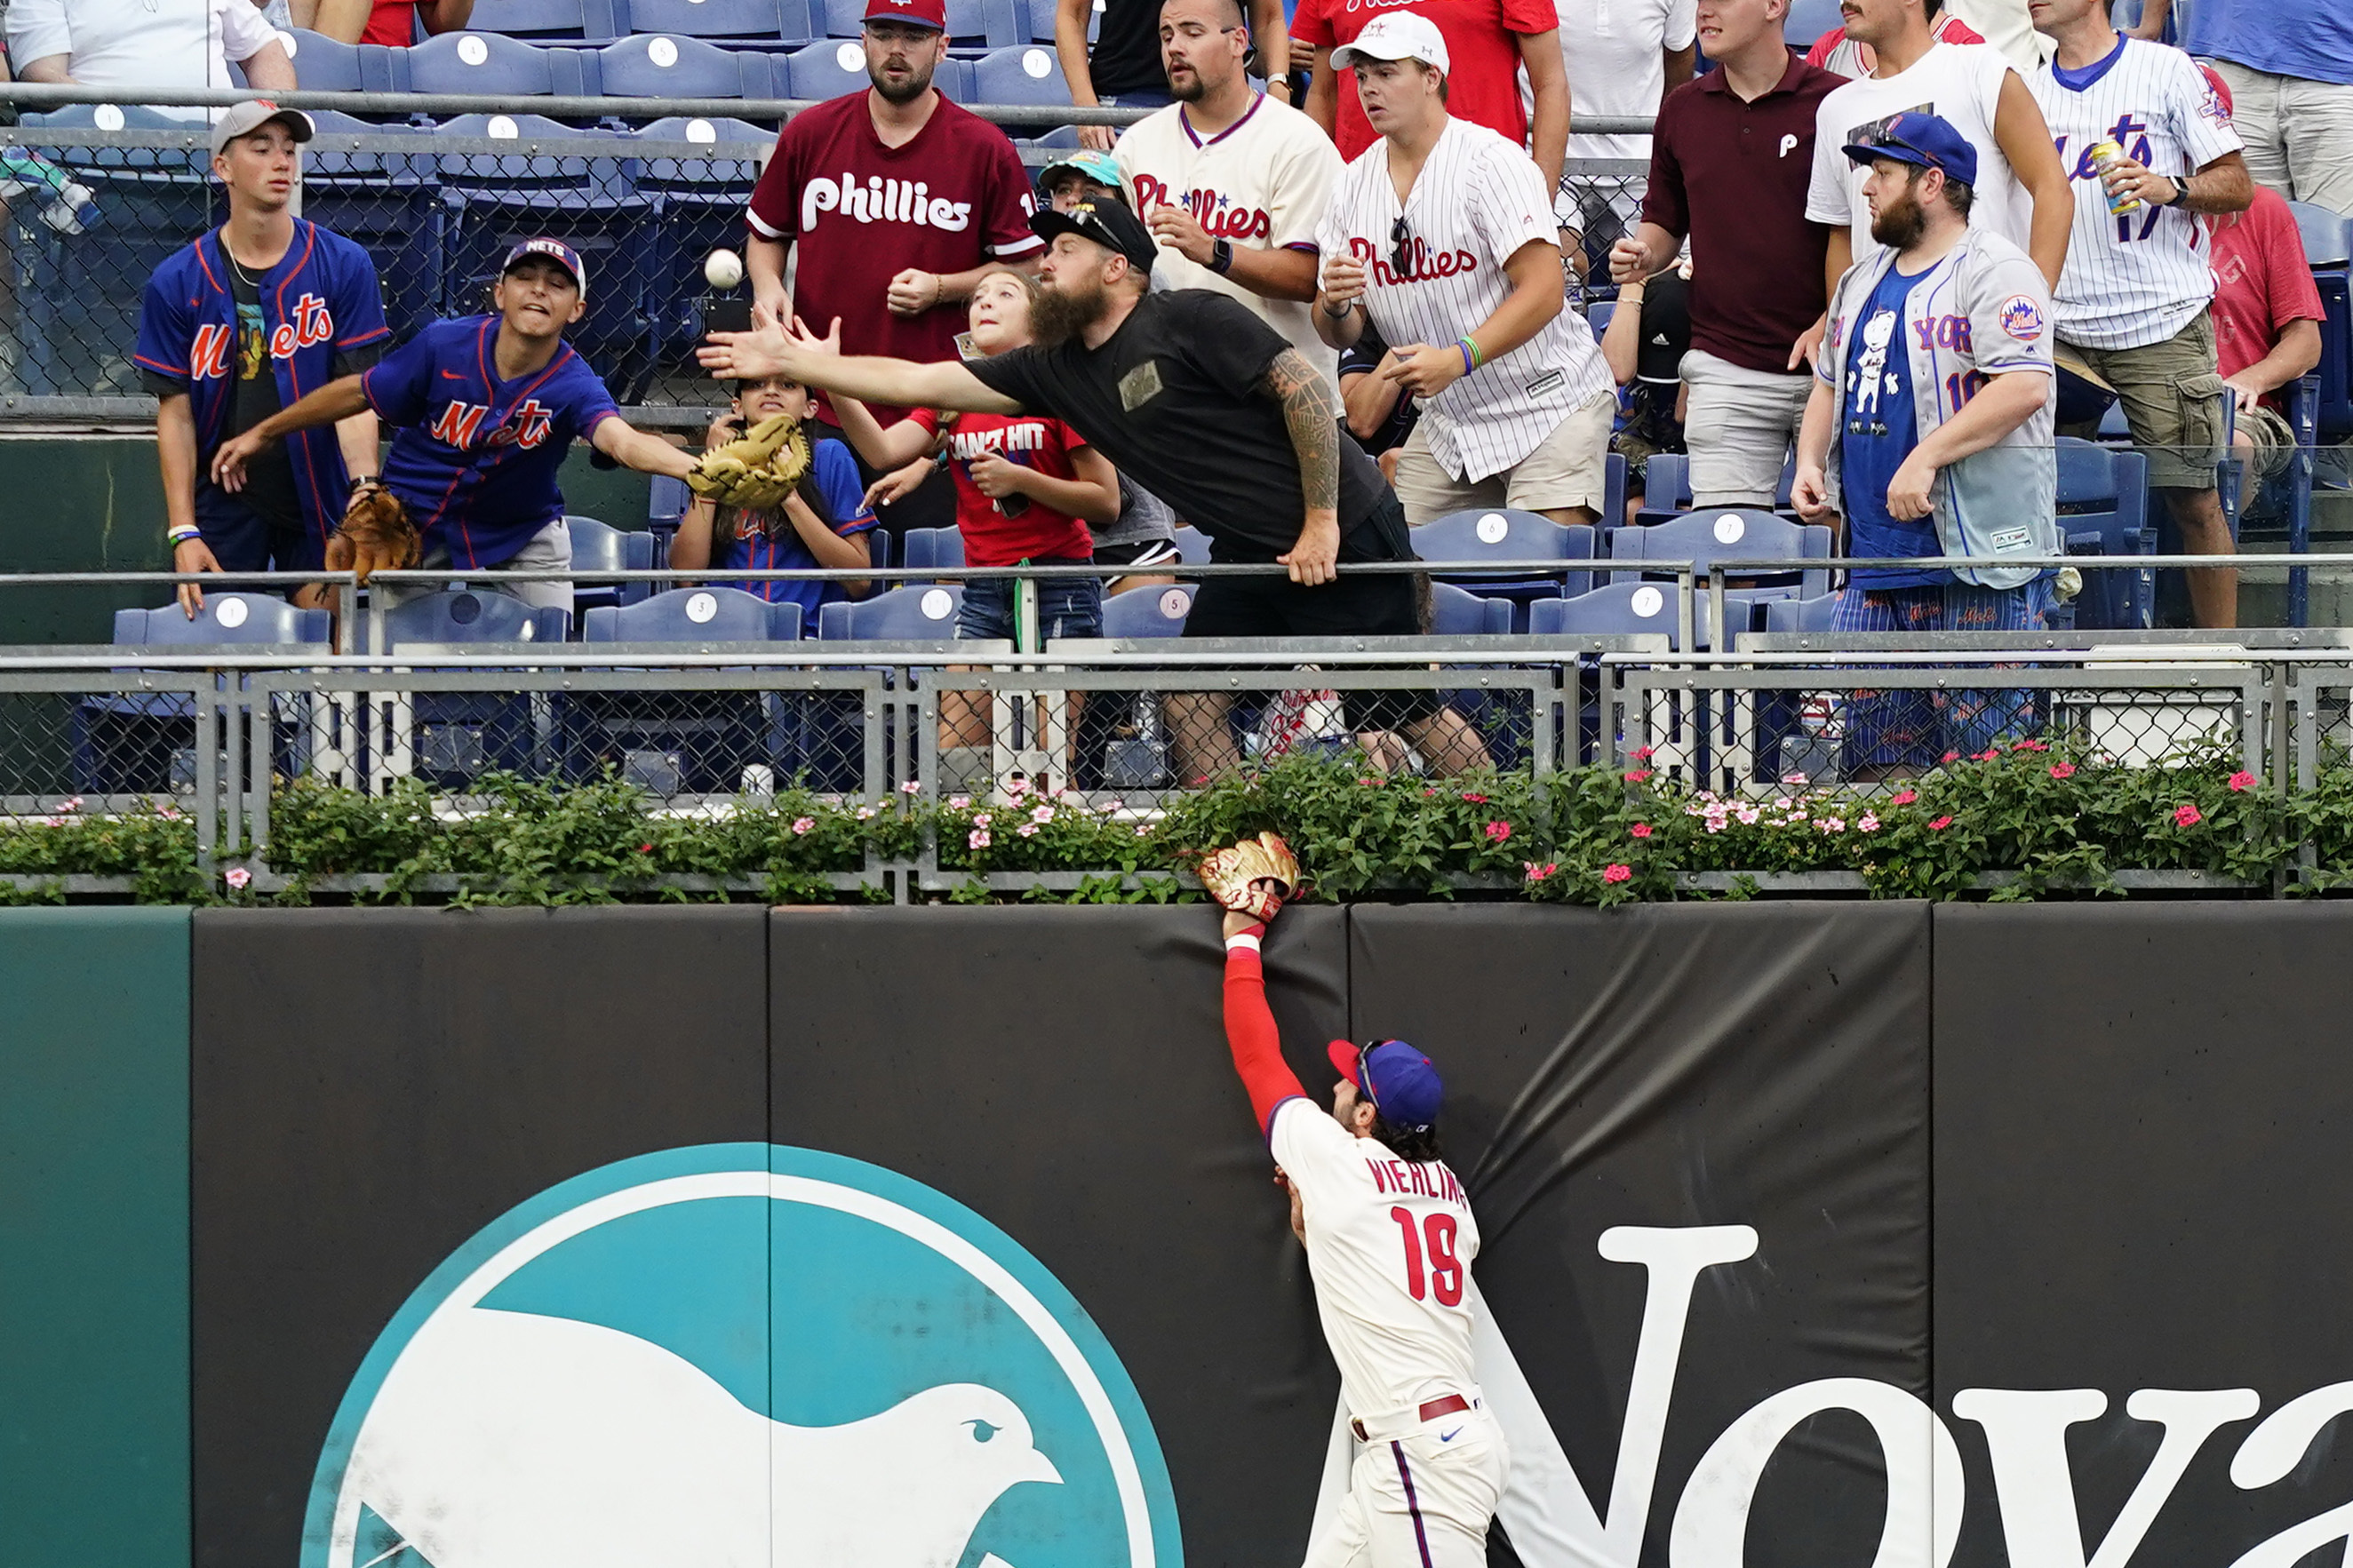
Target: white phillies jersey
pixel 1261 183
pixel 2135 278
pixel 1478 199
pixel 1389 1245
pixel 1961 82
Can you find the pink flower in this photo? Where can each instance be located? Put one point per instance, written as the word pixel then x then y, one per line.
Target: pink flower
pixel 803 823
pixel 1498 832
pixel 644 849
pixel 72 805
pixel 1027 830
pixel 1427 793
pixel 1041 814
pixel 1637 775
pixel 1474 799
pixel 2031 746
pixel 865 813
pixel 1831 825
pixel 1952 757
pixel 1746 814
pixel 976 839
pixel 2063 769
pixel 1019 787
pixel 1904 797
pixel 2243 780
pixel 1793 778
pixel 1143 830
pixel 959 801
pixel 1640 830
pixel 1867 821
pixel 1714 825
pixel 2186 815
pixel 980 819
pixel 1642 753
pixel 1538 873
pixel 238 877
pixel 1985 756
pixel 1370 783
pixel 1941 824
pixel 1618 873
pixel 911 787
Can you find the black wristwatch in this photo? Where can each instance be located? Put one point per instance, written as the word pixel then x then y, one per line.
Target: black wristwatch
pixel 1221 257
pixel 2180 192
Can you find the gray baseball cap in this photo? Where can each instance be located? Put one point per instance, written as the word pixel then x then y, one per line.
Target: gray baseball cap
pixel 251 115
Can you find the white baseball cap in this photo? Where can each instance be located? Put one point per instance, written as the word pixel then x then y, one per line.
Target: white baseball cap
pixel 1396 36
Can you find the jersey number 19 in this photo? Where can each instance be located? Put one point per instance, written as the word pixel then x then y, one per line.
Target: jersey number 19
pixel 1445 1271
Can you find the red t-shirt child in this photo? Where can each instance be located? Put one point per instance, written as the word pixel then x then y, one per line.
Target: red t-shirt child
pixel 392 23
pixel 1038 533
pixel 2261 282
pixel 858 213
pixel 1483 83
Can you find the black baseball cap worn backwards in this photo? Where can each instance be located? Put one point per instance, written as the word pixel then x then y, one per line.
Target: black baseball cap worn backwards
pixel 1108 223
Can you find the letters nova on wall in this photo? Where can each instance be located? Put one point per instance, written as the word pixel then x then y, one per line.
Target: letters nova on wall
pixel 733 1355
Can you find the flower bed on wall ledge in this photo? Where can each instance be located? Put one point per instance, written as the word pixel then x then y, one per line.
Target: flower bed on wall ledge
pixel 2020 823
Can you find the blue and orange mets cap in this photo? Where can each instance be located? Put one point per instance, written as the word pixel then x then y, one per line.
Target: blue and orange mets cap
pixel 555 250
pixel 1399 1080
pixel 1920 139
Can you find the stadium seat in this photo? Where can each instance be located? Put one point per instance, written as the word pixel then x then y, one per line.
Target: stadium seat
pixel 493 64
pixel 1192 545
pixel 451 738
pixel 660 66
pixel 464 615
pixel 699 207
pixel 144 743
pixel 2328 251
pixel 1456 613
pixel 227 618
pixel 1500 534
pixel 697 742
pixel 597 547
pixel 2104 510
pixel 926 549
pixel 1739 533
pixel 1670 494
pixel 1808 20
pixel 1618 609
pixel 1812 614
pixel 694 615
pixel 1024 73
pixel 1598 314
pixel 759 24
pixel 1041 20
pixel 827 69
pixel 391 206
pixel 1149 611
pixel 546 21
pixel 916 613
pixel 953 78
pixel 323 64
pixel 986 23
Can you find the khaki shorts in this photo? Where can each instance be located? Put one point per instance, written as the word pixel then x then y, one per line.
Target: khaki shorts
pixel 1568 467
pixel 2266 429
pixel 2172 401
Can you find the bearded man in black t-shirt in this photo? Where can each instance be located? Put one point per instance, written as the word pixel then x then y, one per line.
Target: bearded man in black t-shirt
pixel 1211 410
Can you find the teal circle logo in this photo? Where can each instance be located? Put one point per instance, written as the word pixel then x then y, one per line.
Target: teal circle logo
pixel 742 1355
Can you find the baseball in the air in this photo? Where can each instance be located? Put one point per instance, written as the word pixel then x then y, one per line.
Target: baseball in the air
pixel 722 270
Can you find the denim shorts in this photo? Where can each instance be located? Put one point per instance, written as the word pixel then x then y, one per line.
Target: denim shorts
pixel 1067 607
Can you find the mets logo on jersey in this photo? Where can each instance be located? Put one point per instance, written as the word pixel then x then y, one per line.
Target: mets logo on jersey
pixel 742 1353
pixel 2021 318
pixel 525 426
pixel 307 325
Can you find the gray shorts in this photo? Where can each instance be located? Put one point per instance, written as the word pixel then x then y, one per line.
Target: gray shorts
pixel 549 550
pixel 1739 429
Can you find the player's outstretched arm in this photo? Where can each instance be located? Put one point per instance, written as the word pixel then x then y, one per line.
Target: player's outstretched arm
pixel 1251 1033
pixel 331 405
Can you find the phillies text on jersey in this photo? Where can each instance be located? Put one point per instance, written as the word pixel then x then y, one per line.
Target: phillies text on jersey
pixel 881 201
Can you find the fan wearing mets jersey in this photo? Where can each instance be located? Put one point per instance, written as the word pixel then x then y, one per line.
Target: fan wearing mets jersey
pixel 1440 234
pixel 1391 1239
pixel 2133 302
pixel 1230 182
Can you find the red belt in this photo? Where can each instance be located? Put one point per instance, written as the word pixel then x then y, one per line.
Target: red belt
pixel 1428 1412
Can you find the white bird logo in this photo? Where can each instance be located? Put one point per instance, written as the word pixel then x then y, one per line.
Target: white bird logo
pixel 514 1440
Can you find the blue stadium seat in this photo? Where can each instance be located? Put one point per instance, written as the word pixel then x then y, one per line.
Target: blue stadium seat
pixel 596 547
pixel 699 207
pixel 1149 611
pixel 695 614
pixel 927 549
pixel 1617 609
pixel 665 503
pixel 659 66
pixel 323 64
pixel 2104 510
pixel 465 616
pixel 918 613
pixel 1192 545
pixel 697 743
pixel 227 618
pixel 1668 480
pixel 391 206
pixel 2328 251
pixel 1598 314
pixel 1502 534
pixel 845 19
pixel 1812 614
pixel 454 737
pixel 144 742
pixel 1808 20
pixel 490 63
pixel 953 78
pixel 1041 20
pixel 760 23
pixel 827 69
pixel 550 21
pixel 1024 73
pixel 1455 612
pixel 1740 533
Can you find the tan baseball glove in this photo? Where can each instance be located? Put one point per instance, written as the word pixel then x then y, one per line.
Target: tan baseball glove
pixel 1253 876
pixel 375 535
pixel 758 469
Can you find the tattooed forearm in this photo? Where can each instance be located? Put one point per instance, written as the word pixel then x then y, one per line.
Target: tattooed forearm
pixel 1315 422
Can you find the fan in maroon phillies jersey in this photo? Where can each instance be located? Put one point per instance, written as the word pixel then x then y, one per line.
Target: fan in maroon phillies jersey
pixel 895 199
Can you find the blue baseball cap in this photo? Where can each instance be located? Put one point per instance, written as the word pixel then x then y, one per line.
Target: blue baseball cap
pixel 555 250
pixel 1397 1078
pixel 1922 139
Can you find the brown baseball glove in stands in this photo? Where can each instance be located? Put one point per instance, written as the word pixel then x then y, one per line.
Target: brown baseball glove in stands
pixel 758 469
pixel 375 535
pixel 1253 876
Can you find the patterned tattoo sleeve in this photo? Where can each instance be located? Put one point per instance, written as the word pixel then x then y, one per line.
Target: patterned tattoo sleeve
pixel 1313 416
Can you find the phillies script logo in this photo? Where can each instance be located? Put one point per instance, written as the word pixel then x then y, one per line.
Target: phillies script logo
pixel 883 201
pixel 460 423
pixel 1421 263
pixel 1552 1523
pixel 310 324
pixel 1220 215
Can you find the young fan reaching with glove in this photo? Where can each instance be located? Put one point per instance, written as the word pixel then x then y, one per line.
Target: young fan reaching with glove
pixel 770 499
pixel 487 407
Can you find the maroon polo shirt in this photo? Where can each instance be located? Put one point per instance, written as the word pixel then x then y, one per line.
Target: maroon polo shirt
pixel 1733 177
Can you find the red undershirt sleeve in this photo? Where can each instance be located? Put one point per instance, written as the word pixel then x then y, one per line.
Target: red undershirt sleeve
pixel 1250 1033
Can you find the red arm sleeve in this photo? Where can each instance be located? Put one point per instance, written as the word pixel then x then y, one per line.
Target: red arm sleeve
pixel 1251 1033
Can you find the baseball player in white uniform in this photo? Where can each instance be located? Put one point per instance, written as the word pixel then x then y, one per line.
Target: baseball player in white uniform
pixel 1441 233
pixel 1391 1239
pixel 2133 301
pixel 1231 182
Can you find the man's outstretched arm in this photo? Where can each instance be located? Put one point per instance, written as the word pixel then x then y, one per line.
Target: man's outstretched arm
pixel 772 351
pixel 1250 1033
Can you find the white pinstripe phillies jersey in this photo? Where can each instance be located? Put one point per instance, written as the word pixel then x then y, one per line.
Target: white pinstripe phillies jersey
pixel 2133 277
pixel 1261 183
pixel 1961 82
pixel 1478 199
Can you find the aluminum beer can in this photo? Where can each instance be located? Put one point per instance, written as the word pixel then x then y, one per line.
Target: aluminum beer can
pixel 2104 155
